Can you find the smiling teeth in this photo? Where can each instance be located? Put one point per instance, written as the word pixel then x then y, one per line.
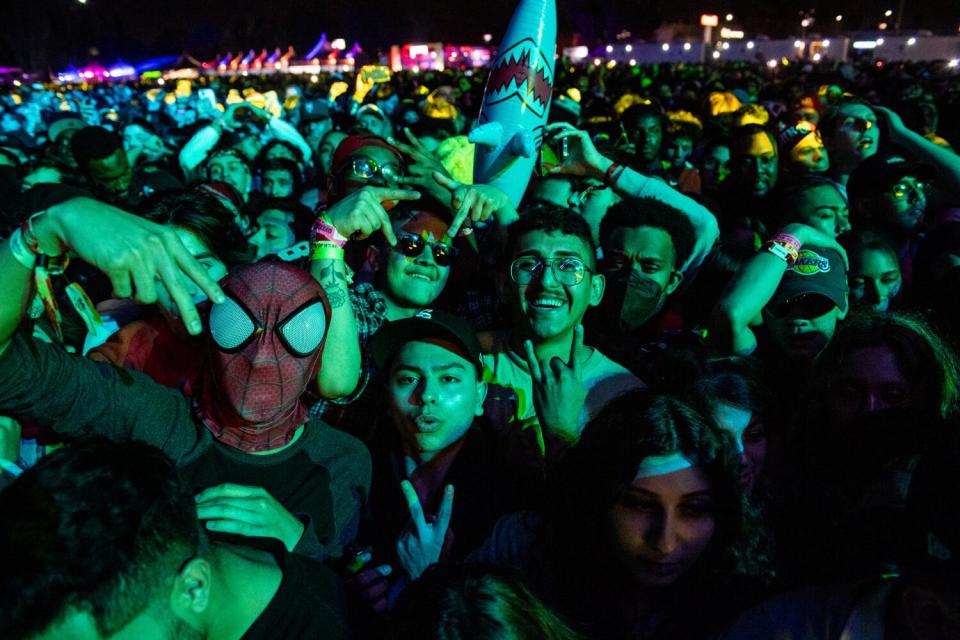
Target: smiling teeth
pixel 420 276
pixel 553 303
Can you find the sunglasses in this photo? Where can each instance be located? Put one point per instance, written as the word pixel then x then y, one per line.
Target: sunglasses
pixel 904 188
pixel 568 271
pixel 367 168
pixel 412 246
pixel 807 306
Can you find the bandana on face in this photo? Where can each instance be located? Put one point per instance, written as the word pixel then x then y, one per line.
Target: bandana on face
pixel 265 344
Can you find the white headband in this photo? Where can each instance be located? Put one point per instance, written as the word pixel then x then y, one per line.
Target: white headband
pixel 662 465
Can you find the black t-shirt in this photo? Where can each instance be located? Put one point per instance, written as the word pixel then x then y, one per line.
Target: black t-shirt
pixel 308 604
pixel 294 480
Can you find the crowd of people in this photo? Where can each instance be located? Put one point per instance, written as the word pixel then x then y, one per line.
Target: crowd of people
pixel 272 365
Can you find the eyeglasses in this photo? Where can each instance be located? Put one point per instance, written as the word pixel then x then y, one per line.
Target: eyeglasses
pixel 412 245
pixel 806 305
pixel 367 168
pixel 568 271
pixel 905 187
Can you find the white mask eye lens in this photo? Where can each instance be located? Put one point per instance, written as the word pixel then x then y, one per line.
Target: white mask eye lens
pixel 304 332
pixel 230 325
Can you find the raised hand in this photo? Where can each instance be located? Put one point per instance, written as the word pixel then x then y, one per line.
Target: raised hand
pixel 372 586
pixel 558 390
pixel 361 213
pixel 421 547
pixel 811 235
pixel 420 167
pixel 133 252
pixel 582 158
pixel 248 511
pixel 473 202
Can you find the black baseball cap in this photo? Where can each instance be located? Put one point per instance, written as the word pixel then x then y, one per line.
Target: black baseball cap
pixel 426 325
pixel 817 270
pixel 882 171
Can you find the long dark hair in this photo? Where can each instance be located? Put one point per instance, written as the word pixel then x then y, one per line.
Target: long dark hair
pixel 923 358
pixel 597 471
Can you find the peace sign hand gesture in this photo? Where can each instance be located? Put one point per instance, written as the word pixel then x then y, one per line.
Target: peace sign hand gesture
pixel 472 203
pixel 420 548
pixel 558 390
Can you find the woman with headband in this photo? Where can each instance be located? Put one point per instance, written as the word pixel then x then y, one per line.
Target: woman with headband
pixel 647 534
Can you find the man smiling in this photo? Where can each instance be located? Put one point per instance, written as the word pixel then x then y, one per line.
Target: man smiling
pixel 560 383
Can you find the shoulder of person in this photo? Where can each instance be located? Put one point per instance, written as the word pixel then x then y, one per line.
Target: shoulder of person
pixel 334 448
pixel 493 342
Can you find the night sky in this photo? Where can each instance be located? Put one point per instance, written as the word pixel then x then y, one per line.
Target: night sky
pixel 47 34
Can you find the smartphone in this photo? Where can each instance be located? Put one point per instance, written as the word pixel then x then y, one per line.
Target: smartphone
pixel 553 155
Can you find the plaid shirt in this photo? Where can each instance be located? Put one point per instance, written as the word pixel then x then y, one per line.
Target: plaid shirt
pixel 370 311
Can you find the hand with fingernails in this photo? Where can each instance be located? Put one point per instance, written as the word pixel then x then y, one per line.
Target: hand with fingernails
pixel 370 583
pixel 582 158
pixel 421 547
pixel 135 254
pixel 361 213
pixel 471 203
pixel 248 511
pixel 421 166
pixel 558 390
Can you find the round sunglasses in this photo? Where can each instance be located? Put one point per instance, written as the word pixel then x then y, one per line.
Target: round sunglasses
pixel 412 246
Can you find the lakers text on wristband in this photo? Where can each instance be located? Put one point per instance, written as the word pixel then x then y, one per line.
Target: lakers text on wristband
pixel 323 230
pixel 326 250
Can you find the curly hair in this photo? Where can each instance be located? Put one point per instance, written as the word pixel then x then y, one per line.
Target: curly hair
pixel 647 212
pixel 97 527
pixel 551 219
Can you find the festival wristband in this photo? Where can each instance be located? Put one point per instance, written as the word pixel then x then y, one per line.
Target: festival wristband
pixel 782 251
pixel 612 173
pixel 785 246
pixel 21 252
pixel 786 238
pixel 326 251
pixel 323 230
pixel 47 295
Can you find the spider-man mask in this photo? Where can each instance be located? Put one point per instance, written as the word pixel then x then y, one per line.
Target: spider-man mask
pixel 265 344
